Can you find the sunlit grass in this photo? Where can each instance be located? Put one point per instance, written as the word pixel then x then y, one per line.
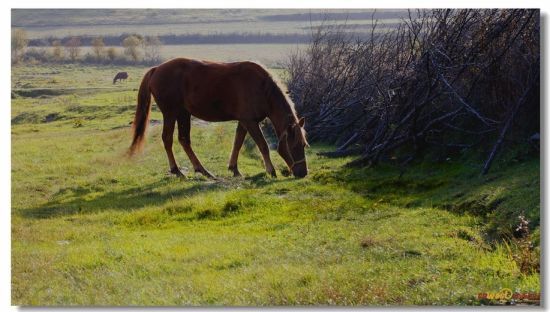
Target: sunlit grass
pixel 90 226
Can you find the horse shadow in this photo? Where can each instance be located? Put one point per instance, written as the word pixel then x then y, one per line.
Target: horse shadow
pixel 78 200
pixel 81 200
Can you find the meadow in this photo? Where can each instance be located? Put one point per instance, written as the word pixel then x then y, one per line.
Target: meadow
pixel 93 227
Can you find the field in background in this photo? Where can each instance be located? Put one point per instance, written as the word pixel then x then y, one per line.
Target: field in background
pixel 55 22
pixel 90 226
pixel 292 27
pixel 296 25
pixel 273 55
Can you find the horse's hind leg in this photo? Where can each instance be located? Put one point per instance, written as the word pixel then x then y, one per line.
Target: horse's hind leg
pixel 240 134
pixel 184 137
pixel 256 133
pixel 167 139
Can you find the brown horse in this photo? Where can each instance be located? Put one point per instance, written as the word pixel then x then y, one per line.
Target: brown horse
pixel 242 91
pixel 120 76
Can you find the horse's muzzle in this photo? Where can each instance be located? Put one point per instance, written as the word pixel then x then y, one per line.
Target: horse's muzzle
pixel 300 170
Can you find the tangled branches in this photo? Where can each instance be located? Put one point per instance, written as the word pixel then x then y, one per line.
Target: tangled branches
pixel 444 79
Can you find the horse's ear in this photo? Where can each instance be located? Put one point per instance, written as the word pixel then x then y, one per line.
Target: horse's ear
pixel 302 122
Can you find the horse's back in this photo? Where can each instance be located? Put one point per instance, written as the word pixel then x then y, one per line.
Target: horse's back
pixel 210 90
pixel 199 68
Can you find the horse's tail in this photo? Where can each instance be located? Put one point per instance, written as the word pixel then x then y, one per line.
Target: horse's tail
pixel 142 114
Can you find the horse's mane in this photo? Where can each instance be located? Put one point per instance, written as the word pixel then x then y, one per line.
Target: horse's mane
pixel 278 88
pixel 274 87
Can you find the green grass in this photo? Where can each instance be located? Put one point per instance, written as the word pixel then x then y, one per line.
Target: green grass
pixel 91 227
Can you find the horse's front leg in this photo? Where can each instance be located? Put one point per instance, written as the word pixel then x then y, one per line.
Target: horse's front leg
pixel 256 133
pixel 184 137
pixel 240 134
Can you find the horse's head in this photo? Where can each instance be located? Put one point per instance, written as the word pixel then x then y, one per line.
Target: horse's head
pixel 291 147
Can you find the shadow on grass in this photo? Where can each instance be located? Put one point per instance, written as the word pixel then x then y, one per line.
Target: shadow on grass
pixel 262 179
pixel 76 200
pixel 450 187
pixel 456 187
pixel 81 200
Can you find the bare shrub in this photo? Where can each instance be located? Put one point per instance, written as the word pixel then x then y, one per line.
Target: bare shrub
pixel 111 54
pixel 131 47
pixel 151 48
pixel 442 80
pixel 98 47
pixel 57 52
pixel 19 43
pixel 72 46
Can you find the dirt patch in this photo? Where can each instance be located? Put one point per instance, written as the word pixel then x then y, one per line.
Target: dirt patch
pixel 125 108
pixel 81 109
pixel 26 117
pixel 37 93
pixel 52 117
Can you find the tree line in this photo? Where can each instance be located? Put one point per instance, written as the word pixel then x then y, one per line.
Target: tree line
pixel 190 38
pixel 136 50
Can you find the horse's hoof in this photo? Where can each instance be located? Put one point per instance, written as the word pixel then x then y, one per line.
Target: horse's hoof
pixel 177 172
pixel 285 172
pixel 271 172
pixel 235 171
pixel 205 173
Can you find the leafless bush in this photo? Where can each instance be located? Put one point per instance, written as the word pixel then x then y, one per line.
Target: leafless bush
pixel 73 47
pixel 442 78
pixel 151 48
pixel 19 43
pixel 98 46
pixel 131 46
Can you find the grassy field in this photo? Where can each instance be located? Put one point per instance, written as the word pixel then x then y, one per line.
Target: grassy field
pixel 91 227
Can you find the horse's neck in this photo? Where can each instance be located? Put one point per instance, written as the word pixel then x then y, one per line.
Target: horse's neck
pixel 279 117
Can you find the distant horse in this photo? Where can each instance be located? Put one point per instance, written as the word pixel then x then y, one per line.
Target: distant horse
pixel 242 91
pixel 120 76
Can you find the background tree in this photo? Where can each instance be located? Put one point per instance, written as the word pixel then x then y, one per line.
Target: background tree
pixel 98 46
pixel 131 47
pixel 57 52
pixel 111 54
pixel 151 47
pixel 73 48
pixel 19 43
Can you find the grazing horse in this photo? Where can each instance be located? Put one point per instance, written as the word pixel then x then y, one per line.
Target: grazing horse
pixel 242 91
pixel 120 76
